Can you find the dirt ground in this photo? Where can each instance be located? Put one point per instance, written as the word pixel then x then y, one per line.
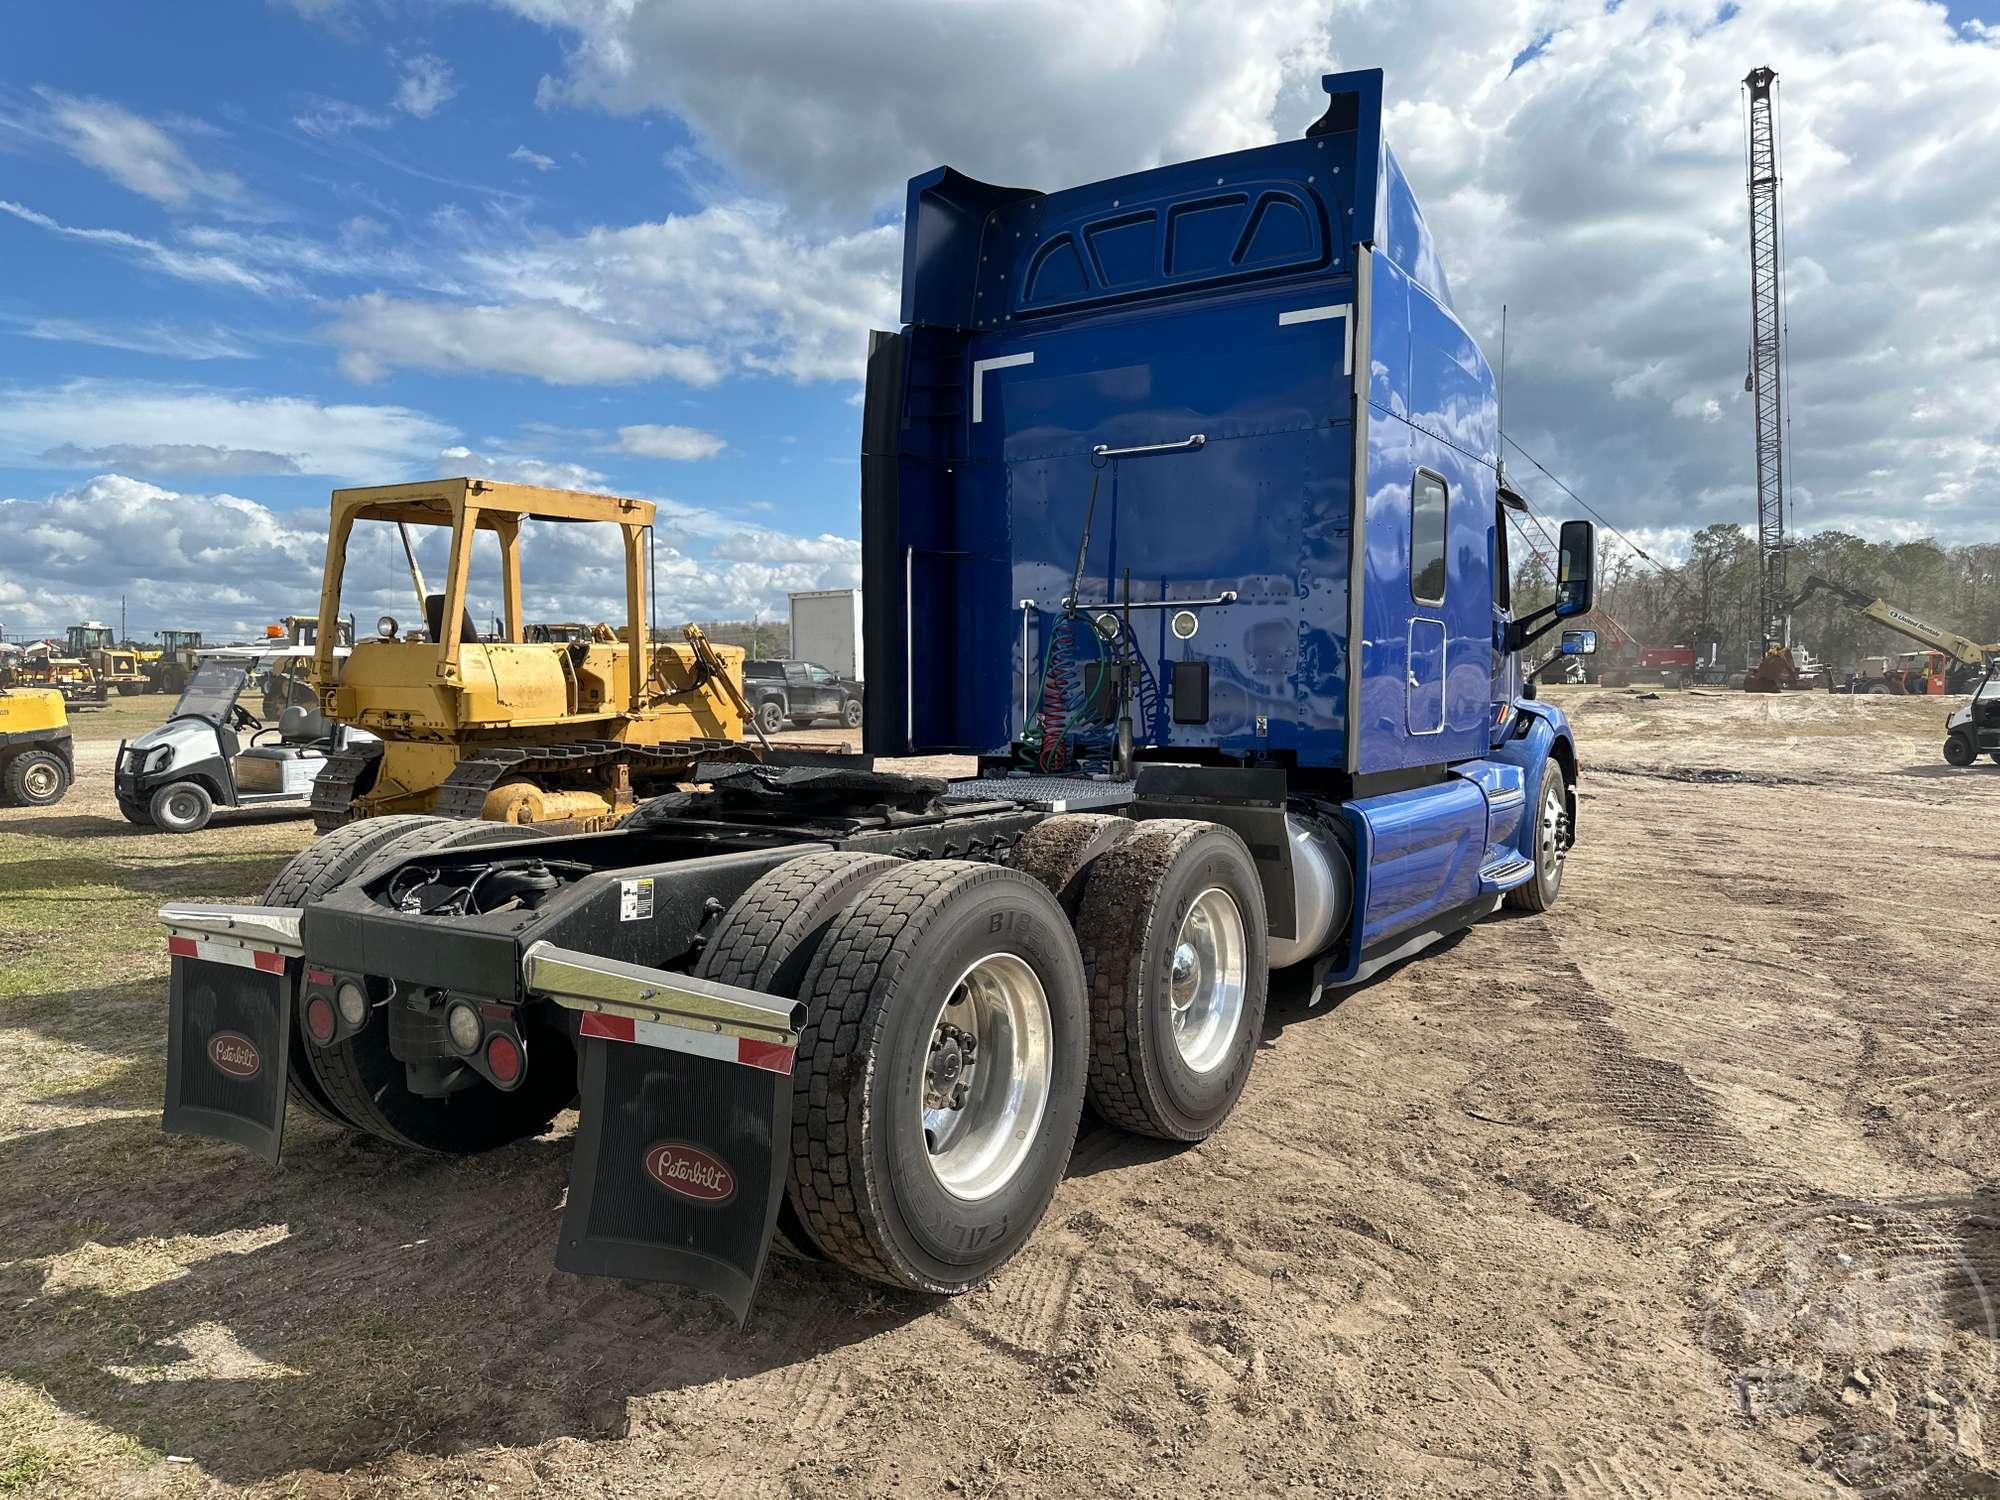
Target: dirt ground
pixel 1682 1189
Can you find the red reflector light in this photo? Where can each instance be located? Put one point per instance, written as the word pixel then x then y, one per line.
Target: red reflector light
pixel 181 947
pixel 320 976
pixel 503 1059
pixel 319 1018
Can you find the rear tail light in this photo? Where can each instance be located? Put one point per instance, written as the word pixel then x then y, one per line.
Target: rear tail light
pixel 503 1060
pixel 353 1003
pixel 320 1021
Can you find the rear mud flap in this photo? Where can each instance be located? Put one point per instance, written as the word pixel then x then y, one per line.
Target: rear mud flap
pixel 680 1164
pixel 229 1031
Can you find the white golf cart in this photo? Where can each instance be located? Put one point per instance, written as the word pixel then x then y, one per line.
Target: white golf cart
pixel 214 752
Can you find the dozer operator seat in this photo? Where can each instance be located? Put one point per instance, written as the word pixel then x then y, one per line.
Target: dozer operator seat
pixel 434 620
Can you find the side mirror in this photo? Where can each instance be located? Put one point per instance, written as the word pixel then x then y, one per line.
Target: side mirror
pixel 1579 643
pixel 1576 569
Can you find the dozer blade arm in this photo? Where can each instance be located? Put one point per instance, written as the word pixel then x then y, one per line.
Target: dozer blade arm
pixel 711 665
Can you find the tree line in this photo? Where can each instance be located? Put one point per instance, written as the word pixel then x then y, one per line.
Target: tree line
pixel 1712 594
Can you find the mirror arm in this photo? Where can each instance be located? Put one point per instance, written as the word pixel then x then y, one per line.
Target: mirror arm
pixel 1520 635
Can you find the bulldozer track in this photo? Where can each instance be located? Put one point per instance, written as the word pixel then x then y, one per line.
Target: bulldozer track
pixel 463 793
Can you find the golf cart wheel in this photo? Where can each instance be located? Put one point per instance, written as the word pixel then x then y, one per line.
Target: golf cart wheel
pixel 181 807
pixel 767 941
pixel 850 713
pixel 367 1082
pixel 771 716
pixel 1173 933
pixel 1059 851
pixel 35 778
pixel 940 1074
pixel 1551 836
pixel 316 869
pixel 1959 750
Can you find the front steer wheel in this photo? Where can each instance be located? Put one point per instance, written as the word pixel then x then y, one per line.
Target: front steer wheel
pixel 181 807
pixel 1551 837
pixel 940 1074
pixel 1959 751
pixel 34 778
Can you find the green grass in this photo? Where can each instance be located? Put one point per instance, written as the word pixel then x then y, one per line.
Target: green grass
pixel 24 1465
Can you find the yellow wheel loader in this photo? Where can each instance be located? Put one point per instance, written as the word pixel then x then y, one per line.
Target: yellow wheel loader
pixel 566 734
pixel 37 762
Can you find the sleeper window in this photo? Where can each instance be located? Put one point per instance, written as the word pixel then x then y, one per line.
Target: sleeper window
pixel 1427 507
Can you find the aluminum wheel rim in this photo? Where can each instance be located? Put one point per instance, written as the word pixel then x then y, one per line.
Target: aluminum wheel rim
pixel 182 807
pixel 981 1113
pixel 1554 841
pixel 1206 980
pixel 39 780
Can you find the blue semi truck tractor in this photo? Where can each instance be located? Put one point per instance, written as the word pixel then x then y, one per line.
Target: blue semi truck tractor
pixel 1182 511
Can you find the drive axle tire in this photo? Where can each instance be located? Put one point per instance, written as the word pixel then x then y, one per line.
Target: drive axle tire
pixel 181 807
pixel 1173 933
pixel 940 1074
pixel 34 778
pixel 367 1083
pixel 1959 751
pixel 768 939
pixel 1551 843
pixel 316 869
pixel 771 716
pixel 1058 851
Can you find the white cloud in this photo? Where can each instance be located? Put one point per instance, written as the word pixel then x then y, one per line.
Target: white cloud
pixel 133 151
pixel 171 458
pixel 834 103
pixel 735 279
pixel 213 562
pixel 517 468
pixel 378 333
pixel 426 85
pixel 226 564
pixel 533 159
pixel 217 270
pixel 137 338
pixel 327 118
pixel 363 444
pixel 650 441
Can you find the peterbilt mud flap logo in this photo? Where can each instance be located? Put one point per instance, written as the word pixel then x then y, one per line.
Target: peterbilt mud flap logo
pixel 690 1172
pixel 234 1054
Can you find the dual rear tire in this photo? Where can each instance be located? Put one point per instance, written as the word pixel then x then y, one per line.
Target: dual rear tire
pixel 958 1014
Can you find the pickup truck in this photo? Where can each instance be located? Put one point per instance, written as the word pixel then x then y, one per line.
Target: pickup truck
pixel 799 692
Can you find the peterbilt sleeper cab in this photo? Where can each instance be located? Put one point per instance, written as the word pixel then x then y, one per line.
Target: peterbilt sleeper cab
pixel 1181 511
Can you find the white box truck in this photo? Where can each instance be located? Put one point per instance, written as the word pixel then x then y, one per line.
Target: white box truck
pixel 826 630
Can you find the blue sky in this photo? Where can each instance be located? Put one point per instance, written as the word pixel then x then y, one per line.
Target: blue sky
pixel 238 88
pixel 254 249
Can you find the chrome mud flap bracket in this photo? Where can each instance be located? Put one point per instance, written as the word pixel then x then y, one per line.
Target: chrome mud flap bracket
pixel 234 972
pixel 685 1126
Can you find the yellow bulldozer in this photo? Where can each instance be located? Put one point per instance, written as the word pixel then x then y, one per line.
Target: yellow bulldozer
pixel 569 734
pixel 115 666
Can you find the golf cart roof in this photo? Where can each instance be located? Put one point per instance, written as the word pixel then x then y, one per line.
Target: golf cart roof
pixel 437 502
